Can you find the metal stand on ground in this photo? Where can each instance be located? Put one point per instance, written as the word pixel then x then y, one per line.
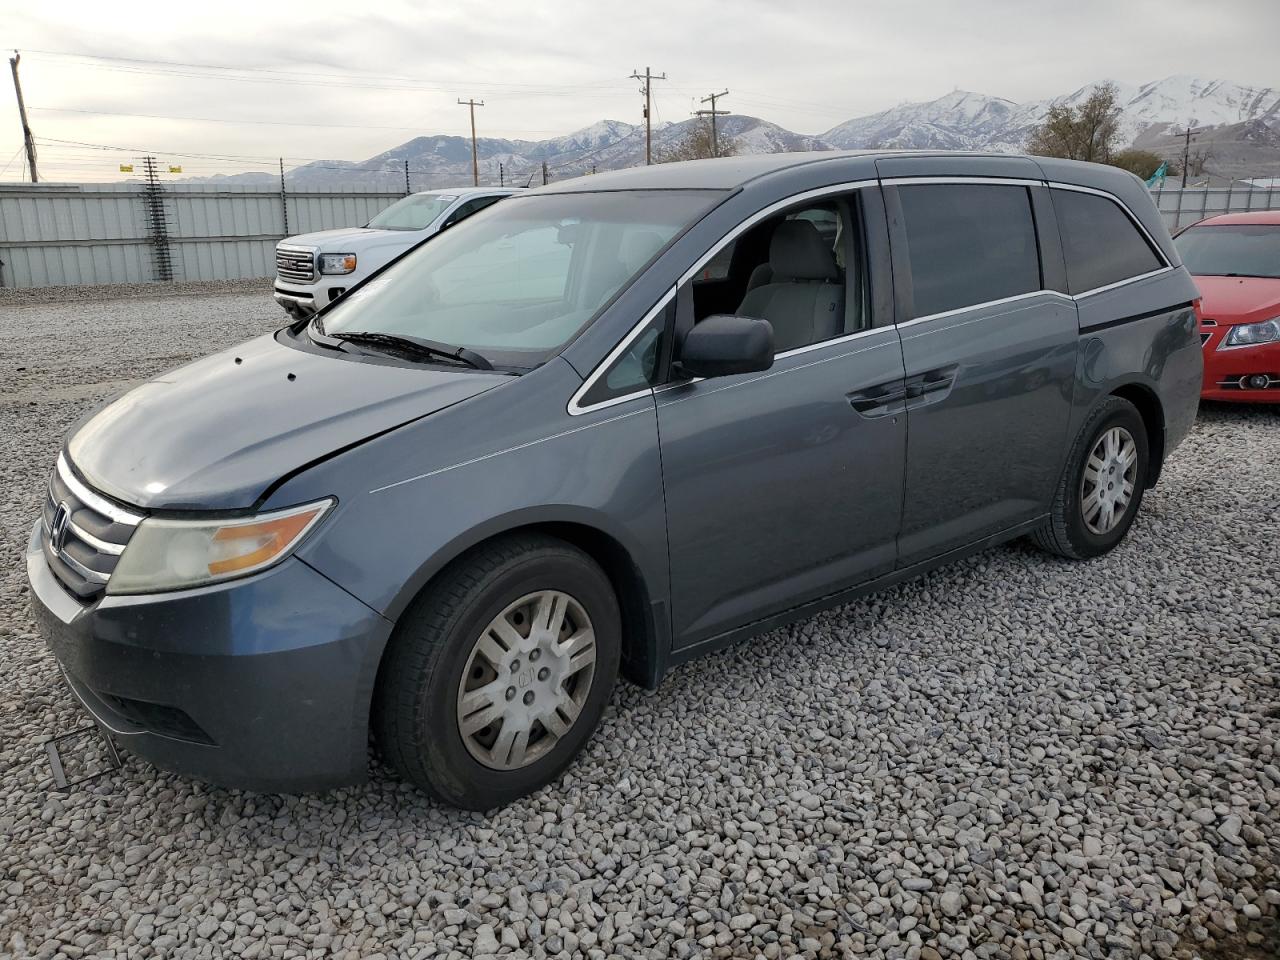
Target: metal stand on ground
pixel 59 769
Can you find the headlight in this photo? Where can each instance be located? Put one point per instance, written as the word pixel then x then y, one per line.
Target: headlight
pixel 337 262
pixel 168 554
pixel 1252 334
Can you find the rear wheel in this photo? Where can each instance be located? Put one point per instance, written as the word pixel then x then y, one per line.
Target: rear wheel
pixel 499 672
pixel 1101 487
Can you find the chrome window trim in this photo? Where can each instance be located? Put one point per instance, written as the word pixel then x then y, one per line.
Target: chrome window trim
pixel 986 303
pixel 960 178
pixel 1051 184
pixel 764 214
pixel 1078 188
pixel 576 408
pixel 92 500
pixel 1123 283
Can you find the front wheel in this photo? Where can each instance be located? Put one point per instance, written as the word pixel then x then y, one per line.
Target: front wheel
pixel 1101 487
pixel 499 672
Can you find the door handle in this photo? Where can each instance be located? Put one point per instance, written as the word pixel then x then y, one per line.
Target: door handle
pixel 930 385
pixel 880 400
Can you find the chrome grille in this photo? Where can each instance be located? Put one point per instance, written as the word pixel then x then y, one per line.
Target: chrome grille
pixel 295 264
pixel 84 533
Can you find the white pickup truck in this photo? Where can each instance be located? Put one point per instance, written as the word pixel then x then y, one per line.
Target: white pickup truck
pixel 314 269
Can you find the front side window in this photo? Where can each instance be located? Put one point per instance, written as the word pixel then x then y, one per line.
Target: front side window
pixel 416 212
pixel 518 283
pixel 802 270
pixel 1101 244
pixel 968 244
pixel 1231 250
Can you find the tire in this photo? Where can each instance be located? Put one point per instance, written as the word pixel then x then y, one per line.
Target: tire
pixel 1068 533
pixel 442 654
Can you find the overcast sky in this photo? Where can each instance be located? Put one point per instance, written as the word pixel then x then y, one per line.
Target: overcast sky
pixel 382 71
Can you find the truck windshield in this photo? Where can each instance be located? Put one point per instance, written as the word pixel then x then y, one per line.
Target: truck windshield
pixel 412 213
pixel 1231 250
pixel 520 280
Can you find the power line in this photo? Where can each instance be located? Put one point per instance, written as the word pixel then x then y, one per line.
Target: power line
pixel 265 123
pixel 274 75
pixel 21 147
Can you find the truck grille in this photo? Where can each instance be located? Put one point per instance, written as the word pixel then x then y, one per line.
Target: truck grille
pixel 84 533
pixel 295 264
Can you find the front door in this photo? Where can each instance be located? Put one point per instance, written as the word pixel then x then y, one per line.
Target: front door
pixel 786 486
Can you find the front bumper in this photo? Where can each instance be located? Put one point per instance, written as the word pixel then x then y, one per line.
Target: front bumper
pixel 263 683
pixel 301 300
pixel 1224 369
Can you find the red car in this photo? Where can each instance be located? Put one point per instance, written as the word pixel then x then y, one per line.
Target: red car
pixel 1235 259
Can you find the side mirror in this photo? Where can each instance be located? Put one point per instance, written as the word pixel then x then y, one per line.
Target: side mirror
pixel 725 344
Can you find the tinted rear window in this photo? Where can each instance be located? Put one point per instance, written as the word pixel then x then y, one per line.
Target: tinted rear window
pixel 1101 244
pixel 968 244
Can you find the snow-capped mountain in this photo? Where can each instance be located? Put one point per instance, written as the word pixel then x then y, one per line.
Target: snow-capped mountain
pixel 1246 119
pixel 974 121
pixel 959 121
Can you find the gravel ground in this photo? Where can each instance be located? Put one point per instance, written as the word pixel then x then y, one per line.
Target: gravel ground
pixel 1013 757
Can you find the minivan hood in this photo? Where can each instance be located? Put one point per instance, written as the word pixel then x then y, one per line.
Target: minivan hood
pixel 1233 300
pixel 217 433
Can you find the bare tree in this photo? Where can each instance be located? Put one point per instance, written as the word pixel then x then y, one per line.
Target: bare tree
pixel 1198 161
pixel 1090 131
pixel 696 144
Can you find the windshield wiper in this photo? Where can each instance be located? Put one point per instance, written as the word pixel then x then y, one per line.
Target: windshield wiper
pixel 417 345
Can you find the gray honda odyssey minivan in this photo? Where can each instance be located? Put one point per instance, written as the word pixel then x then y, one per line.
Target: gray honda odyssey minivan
pixel 605 427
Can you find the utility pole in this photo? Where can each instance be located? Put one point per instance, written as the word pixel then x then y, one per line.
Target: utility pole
pixel 475 162
pixel 544 173
pixel 713 113
pixel 1186 153
pixel 648 77
pixel 28 140
pixel 407 191
pixel 502 174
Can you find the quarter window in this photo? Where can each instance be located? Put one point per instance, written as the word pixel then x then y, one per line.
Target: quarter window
pixel 1101 244
pixel 637 368
pixel 968 244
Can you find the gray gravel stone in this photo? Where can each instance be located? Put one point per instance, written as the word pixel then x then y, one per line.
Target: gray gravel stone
pixel 1011 757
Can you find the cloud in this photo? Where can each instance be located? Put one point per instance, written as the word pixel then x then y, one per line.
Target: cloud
pixel 545 68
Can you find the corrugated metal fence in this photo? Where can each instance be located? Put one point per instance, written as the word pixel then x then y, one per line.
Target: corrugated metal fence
pixel 67 234
pixel 1180 208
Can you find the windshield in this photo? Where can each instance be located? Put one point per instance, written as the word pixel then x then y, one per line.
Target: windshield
pixel 1238 249
pixel 518 281
pixel 413 213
